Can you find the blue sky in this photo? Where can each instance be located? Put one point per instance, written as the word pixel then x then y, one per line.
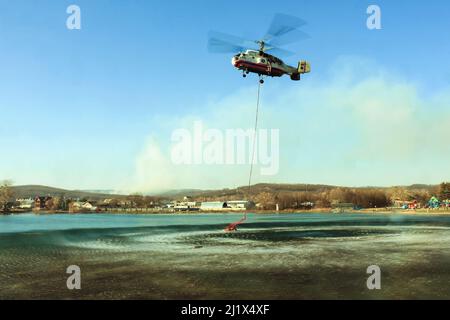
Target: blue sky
pixel 79 107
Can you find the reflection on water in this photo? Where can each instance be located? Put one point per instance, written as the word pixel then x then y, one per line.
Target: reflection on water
pixel 189 256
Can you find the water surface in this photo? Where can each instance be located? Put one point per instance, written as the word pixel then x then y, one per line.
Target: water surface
pixel 295 256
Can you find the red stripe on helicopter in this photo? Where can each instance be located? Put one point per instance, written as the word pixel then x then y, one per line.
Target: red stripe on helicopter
pixel 259 67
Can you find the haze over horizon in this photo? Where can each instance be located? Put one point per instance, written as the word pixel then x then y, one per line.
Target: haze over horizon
pixel 95 108
pixel 161 192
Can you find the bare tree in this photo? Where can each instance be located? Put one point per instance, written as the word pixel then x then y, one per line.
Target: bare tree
pixel 5 195
pixel 54 204
pixel 136 200
pixel 444 191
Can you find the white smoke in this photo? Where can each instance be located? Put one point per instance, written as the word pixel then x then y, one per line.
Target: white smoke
pixel 356 128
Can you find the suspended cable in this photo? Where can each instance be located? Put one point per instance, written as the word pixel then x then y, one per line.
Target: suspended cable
pixel 233 226
pixel 254 137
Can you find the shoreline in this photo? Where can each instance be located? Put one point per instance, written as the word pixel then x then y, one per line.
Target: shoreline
pixel 385 211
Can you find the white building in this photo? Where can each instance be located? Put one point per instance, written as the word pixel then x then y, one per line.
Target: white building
pixel 25 203
pixel 87 206
pixel 186 206
pixel 240 204
pixel 214 206
pixel 235 205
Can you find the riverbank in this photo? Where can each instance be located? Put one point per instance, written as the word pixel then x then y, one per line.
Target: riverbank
pixel 138 211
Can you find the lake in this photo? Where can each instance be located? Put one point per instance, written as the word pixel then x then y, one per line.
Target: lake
pixel 279 256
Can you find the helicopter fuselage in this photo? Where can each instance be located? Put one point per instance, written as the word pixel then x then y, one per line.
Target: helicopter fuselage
pixel 264 64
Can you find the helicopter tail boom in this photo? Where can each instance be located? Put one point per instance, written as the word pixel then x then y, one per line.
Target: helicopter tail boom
pixel 303 67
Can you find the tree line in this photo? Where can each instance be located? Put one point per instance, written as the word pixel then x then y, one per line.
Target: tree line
pixel 357 197
pixel 268 199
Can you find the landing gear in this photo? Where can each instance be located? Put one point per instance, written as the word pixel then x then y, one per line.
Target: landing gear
pixel 261 81
pixel 246 72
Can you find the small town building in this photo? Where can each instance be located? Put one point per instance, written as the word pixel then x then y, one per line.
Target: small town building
pixel 82 206
pixel 307 205
pixel 25 203
pixel 186 206
pixel 40 203
pixel 406 204
pixel 214 206
pixel 240 204
pixel 446 203
pixel 233 205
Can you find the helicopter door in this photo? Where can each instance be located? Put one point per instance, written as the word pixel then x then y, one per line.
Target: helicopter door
pixel 269 65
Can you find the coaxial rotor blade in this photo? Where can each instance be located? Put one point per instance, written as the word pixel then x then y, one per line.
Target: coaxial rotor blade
pixel 219 46
pixel 222 43
pixel 279 52
pixel 288 38
pixel 283 24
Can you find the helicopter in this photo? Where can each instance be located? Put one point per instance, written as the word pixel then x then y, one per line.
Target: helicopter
pixel 260 56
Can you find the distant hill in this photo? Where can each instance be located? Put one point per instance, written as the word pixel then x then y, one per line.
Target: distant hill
pixel 239 192
pixel 31 191
pixel 180 193
pixel 274 189
pixel 429 187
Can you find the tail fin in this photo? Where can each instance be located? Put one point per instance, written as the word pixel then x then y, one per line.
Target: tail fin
pixel 304 67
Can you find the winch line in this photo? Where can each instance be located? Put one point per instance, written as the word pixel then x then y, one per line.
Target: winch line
pixel 254 138
pixel 233 226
